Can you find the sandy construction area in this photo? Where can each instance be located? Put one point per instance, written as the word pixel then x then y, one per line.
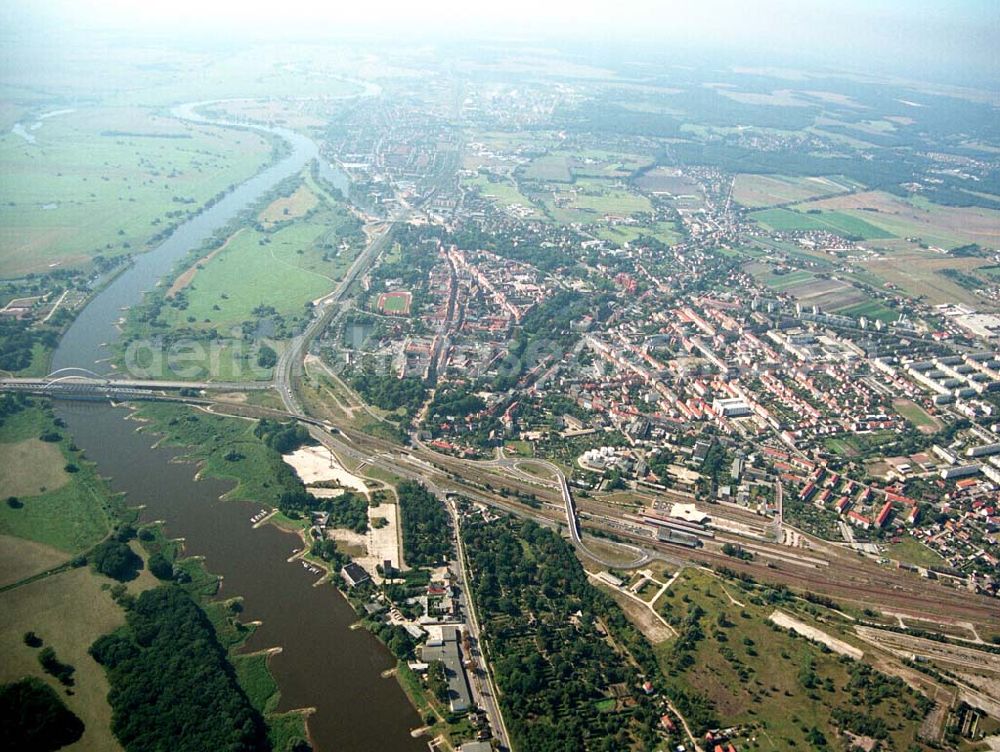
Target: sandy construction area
pixel 837 646
pixel 383 542
pixel 314 464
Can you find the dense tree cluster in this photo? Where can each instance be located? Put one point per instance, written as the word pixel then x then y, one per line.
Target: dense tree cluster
pixel 349 510
pixel 543 624
pixel 51 664
pixel 34 718
pixel 113 558
pixel 454 401
pixel 171 682
pixel 426 526
pixel 282 437
pixel 384 390
pixel 267 357
pixel 18 339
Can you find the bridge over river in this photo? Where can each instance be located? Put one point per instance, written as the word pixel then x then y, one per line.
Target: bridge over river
pixel 81 383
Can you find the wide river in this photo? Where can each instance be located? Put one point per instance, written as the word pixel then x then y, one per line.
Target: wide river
pixel 323 664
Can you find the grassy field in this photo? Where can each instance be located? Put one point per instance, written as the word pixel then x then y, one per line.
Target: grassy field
pixel 102 180
pixel 285 273
pixel 30 467
pixel 755 191
pixel 71 518
pixel 913 551
pixel 871 309
pixel 669 180
pixel 590 201
pixel 842 223
pixel 916 415
pixel 749 672
pixel 665 232
pixel 500 191
pixel 289 207
pixel 68 611
pixel 20 558
pixel 918 273
pixel 551 167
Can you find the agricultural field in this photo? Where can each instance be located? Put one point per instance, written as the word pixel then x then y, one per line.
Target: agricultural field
pixel 918 272
pixel 606 164
pixel 72 512
pixel 106 181
pixel 731 662
pixel 755 191
pixel 830 294
pixel 841 223
pixel 551 167
pixel 669 180
pixel 870 309
pixel 665 232
pixel 939 226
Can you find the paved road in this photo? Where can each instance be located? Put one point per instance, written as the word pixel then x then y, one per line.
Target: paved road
pixel 289 367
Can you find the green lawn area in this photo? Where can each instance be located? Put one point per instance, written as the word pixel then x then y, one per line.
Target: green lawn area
pixel 843 223
pixel 781 282
pixel 915 414
pixel 551 167
pixel 665 232
pixel 501 191
pixel 871 309
pixel 103 180
pixel 215 360
pixel 842 447
pixel 912 551
pixel 604 197
pixel 731 665
pixel 72 517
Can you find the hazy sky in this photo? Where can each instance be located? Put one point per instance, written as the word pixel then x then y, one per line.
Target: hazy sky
pixel 955 34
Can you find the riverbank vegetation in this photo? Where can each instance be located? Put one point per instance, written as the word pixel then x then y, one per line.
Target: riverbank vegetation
pixel 197 703
pixel 286 731
pixel 567 662
pixel 226 306
pixel 53 495
pixel 228 448
pixel 43 586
